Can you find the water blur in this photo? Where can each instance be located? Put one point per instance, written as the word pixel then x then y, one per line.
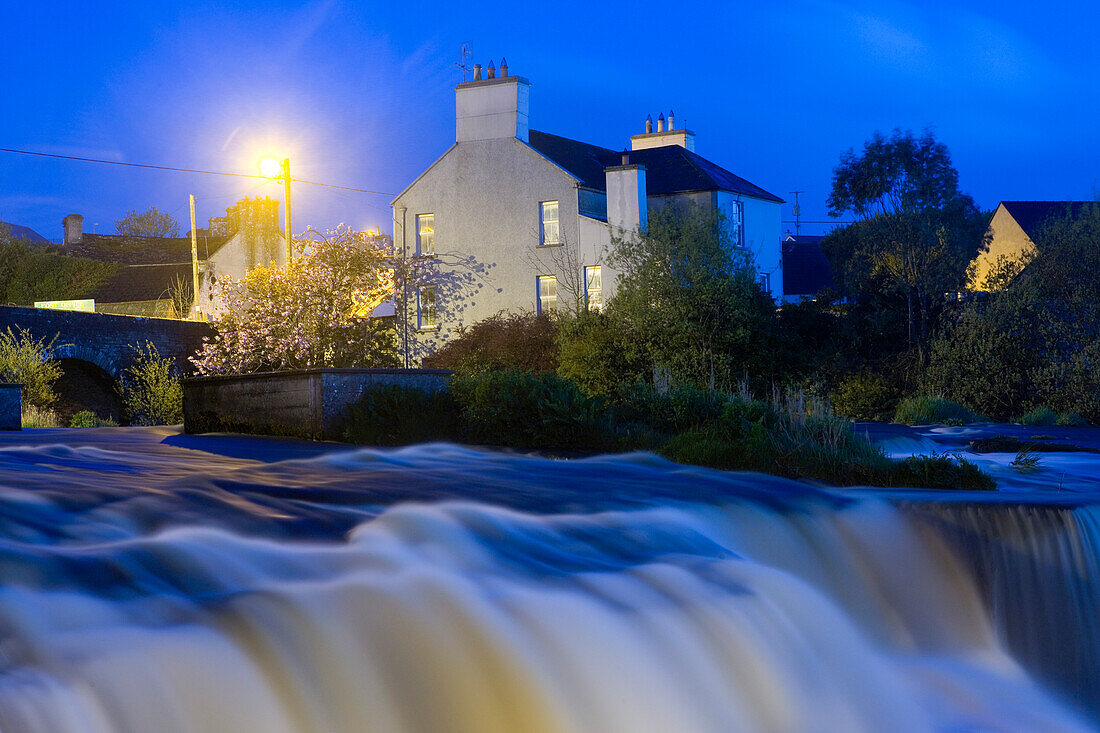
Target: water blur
pixel 157 582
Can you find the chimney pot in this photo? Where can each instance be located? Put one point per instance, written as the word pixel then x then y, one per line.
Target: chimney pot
pixel 477 72
pixel 492 70
pixel 671 116
pixel 626 158
pixel 648 124
pixel 661 122
pixel 503 67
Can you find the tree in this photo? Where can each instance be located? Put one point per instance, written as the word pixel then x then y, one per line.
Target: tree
pixel 312 312
pixel 892 175
pixel 150 223
pixel 690 302
pixel 915 233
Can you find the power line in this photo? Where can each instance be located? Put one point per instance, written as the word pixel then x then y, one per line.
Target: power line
pixel 185 170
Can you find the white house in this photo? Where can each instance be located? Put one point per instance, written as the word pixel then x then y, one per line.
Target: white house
pixel 529 215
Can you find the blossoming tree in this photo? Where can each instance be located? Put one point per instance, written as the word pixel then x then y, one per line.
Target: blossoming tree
pixel 312 312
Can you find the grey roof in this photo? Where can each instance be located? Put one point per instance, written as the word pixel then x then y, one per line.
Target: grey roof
pixel 669 169
pixel 1031 215
pixel 143 250
pixel 144 282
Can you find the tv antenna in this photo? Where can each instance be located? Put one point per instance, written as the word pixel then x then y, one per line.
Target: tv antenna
pixel 797 211
pixel 462 65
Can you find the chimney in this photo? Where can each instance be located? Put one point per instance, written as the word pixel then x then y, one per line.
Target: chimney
pixel 664 136
pixel 626 196
pixel 493 108
pixel 74 228
pixel 492 70
pixel 503 67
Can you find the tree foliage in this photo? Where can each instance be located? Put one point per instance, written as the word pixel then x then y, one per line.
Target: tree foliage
pixel 30 272
pixel 688 302
pixel 901 173
pixel 149 223
pixel 29 361
pixel 523 340
pixel 1036 342
pixel 915 234
pixel 312 312
pixel 150 388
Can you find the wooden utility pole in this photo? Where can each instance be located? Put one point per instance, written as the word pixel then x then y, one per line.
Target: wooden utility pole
pixel 286 195
pixel 194 261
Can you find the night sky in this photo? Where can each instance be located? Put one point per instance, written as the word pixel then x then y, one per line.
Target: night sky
pixel 361 94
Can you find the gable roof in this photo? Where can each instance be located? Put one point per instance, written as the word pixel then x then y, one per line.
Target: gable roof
pixel 669 169
pixel 143 250
pixel 1031 215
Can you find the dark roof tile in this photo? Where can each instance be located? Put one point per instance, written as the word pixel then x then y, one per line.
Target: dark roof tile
pixel 669 169
pixel 143 282
pixel 806 270
pixel 143 250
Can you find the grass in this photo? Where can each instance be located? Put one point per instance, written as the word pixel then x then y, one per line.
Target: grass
pixel 927 410
pixel 88 419
pixel 37 417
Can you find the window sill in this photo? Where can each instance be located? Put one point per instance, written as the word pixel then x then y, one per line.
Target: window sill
pixel 548 246
pixel 427 329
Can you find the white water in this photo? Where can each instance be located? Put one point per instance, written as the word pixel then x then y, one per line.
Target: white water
pixel 178 591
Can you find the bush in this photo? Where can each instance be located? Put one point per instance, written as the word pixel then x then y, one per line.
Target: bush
pixel 865 396
pixel 39 417
pixel 923 410
pixel 28 361
pixel 1040 417
pixel 522 340
pixel 596 353
pixel 88 419
pixel 150 388
pixel 797 437
pixel 397 415
pixel 1071 420
pixel 525 410
pixel 673 411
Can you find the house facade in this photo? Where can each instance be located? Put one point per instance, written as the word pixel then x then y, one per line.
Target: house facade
pixel 515 219
pixel 1012 233
pixel 156 277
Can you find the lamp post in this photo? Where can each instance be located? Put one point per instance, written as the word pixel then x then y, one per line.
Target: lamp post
pixel 272 168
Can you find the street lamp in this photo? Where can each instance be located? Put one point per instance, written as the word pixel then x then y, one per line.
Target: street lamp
pixel 272 168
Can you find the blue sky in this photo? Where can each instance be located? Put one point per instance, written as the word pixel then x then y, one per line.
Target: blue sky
pixel 361 94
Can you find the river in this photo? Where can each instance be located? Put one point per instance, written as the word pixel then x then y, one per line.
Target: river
pixel 153 581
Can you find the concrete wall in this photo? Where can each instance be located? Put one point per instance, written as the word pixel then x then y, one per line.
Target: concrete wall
pixel 106 340
pixel 307 403
pixel 245 250
pixel 762 235
pixel 11 406
pixel 485 195
pixel 1007 242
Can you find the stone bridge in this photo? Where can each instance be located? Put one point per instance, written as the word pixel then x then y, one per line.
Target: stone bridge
pixel 94 349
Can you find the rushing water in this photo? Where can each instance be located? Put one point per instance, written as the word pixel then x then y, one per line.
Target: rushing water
pixel 149 587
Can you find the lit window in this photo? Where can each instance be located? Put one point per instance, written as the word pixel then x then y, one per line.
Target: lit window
pixel 427 316
pixel 548 223
pixel 593 288
pixel 548 294
pixel 425 234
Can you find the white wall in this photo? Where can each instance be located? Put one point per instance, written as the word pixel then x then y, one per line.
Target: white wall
pixel 485 195
pixel 762 235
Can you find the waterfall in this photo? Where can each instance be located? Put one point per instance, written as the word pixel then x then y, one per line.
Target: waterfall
pixel 444 589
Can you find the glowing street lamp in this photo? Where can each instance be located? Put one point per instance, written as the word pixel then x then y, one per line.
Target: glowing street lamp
pixel 272 168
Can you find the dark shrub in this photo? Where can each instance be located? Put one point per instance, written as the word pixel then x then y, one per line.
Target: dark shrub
pixel 922 410
pixel 1040 417
pixel 525 410
pixel 675 410
pixel 865 396
pixel 396 415
pixel 503 341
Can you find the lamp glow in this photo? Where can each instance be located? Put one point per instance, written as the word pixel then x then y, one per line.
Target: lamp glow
pixel 271 168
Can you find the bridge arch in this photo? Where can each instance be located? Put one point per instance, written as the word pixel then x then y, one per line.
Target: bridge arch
pixel 85 385
pixel 108 362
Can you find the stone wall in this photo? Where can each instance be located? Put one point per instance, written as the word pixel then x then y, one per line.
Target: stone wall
pixel 106 340
pixel 305 403
pixel 11 406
